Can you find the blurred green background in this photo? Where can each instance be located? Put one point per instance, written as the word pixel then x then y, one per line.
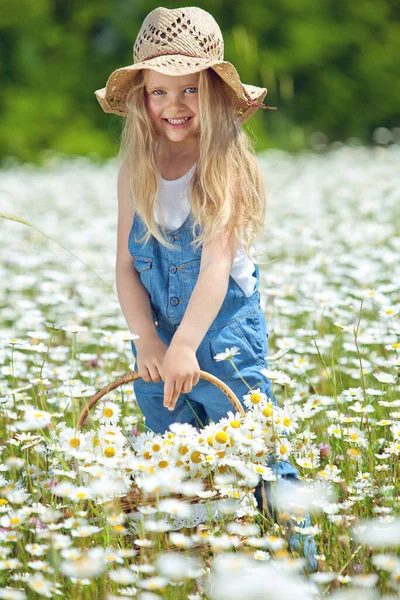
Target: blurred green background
pixel 330 66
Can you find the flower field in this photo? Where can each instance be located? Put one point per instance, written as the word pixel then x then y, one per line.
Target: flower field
pixel 108 509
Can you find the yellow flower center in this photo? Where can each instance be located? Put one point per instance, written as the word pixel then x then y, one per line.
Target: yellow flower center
pixel 195 457
pixel 283 449
pixel 156 447
pixel 287 421
pixel 255 398
pixel 235 424
pixel 109 452
pixel 163 464
pixel 353 452
pixel 183 450
pixel 108 412
pixel 267 411
pixel 74 442
pixel 221 437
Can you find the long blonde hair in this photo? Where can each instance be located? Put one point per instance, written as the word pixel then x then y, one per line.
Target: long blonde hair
pixel 227 187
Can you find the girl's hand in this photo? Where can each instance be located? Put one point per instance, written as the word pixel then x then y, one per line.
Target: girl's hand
pixel 150 358
pixel 181 372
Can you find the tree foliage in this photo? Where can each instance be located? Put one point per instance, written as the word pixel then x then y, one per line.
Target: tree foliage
pixel 329 67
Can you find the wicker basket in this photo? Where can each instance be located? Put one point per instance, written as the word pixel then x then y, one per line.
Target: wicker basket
pixel 134 497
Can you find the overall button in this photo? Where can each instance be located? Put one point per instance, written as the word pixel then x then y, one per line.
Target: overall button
pixel 170 238
pixel 174 301
pixel 172 269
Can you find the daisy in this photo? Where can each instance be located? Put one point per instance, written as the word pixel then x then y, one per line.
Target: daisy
pixel 355 436
pixel 180 540
pixel 361 408
pixel 386 562
pixel 71 439
pixel 232 422
pixel 11 563
pixel 266 473
pixel 356 393
pixel 261 555
pixel 288 421
pixel 335 430
pixel 374 392
pixel 385 378
pixel 75 328
pixel 111 435
pixel 254 397
pixel 40 585
pixel 183 429
pixel 283 449
pixel 36 549
pixel 279 377
pixel 228 354
pixel 90 564
pixel 108 413
pixel 387 312
pixel 122 576
pixel 12 594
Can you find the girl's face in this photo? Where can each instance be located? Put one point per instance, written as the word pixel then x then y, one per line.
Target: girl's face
pixel 173 98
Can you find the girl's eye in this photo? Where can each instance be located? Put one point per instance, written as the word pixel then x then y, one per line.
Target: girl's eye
pixel 154 92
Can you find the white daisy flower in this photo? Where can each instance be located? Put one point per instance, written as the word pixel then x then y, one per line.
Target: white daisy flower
pixel 109 412
pixel 40 585
pixel 228 354
pixel 385 377
pixel 12 594
pixel 254 397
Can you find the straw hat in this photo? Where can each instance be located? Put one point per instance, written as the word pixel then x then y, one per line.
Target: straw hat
pixel 180 41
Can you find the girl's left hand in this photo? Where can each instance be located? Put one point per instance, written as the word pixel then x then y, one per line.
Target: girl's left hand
pixel 180 372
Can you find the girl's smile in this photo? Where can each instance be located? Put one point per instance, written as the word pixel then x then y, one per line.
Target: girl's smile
pixel 178 123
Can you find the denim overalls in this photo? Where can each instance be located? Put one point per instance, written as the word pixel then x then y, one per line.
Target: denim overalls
pixel 169 277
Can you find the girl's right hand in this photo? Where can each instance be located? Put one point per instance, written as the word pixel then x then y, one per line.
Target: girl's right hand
pixel 150 357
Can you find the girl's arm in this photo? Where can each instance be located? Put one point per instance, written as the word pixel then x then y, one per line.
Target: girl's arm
pixel 132 295
pixel 180 367
pixel 209 292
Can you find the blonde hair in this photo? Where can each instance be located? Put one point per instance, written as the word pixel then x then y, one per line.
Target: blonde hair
pixel 227 188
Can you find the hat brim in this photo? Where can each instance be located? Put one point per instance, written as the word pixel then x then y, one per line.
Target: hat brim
pixel 112 98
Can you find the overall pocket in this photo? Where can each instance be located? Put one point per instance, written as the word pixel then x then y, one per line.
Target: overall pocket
pixel 248 329
pixel 143 264
pixel 189 274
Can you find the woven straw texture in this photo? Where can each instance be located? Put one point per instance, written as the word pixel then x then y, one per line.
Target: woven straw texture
pixel 177 42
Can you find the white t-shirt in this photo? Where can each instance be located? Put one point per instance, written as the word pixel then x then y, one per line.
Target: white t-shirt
pixel 173 198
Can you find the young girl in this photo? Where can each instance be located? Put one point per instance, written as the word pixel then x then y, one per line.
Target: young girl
pixel 191 203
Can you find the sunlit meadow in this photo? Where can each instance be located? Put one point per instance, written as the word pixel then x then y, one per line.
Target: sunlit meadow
pixel 330 289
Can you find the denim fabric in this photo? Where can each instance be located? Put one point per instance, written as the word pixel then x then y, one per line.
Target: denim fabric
pixel 169 277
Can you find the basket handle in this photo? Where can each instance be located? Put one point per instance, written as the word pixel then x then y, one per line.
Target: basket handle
pixel 133 375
